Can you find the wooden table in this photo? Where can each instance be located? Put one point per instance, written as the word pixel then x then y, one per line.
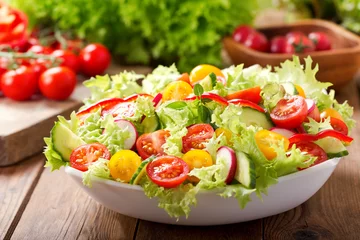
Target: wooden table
pixel 37 204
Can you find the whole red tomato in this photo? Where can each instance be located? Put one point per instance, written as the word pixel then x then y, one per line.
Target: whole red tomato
pixel 321 41
pixel 94 59
pixel 280 44
pixel 38 49
pixel 257 41
pixel 19 84
pixel 291 36
pixel 57 83
pixel 69 59
pixel 241 33
pixel 302 44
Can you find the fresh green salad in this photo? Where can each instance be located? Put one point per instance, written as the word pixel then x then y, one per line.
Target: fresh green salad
pixel 236 130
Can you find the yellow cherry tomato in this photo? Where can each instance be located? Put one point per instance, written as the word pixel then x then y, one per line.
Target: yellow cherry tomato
pixel 177 90
pixel 265 139
pixel 197 159
pixel 227 133
pixel 300 91
pixel 201 71
pixel 330 112
pixel 124 164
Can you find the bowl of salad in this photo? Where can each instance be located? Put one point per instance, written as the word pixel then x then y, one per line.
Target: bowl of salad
pixel 206 148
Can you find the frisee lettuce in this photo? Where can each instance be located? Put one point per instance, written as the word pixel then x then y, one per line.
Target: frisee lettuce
pixel 98 169
pixel 159 79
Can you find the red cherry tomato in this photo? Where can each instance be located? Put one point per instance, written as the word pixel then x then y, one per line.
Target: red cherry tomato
pixel 312 149
pixel 251 94
pixel 19 84
pixel 197 135
pixel 69 59
pixel 150 144
pixel 290 36
pixel 339 125
pixel 321 41
pixel 83 156
pixel 241 33
pixel 38 49
pixel 289 113
pixel 167 171
pixel 302 44
pixel 280 44
pixel 94 59
pixel 257 41
pixel 57 83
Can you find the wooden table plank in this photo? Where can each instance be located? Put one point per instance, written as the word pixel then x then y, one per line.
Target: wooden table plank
pixel 333 212
pixel 157 231
pixel 17 184
pixel 59 209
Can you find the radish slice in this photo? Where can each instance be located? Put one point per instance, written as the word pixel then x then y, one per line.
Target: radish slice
pixel 310 105
pixel 283 131
pixel 125 124
pixel 229 156
pixel 157 99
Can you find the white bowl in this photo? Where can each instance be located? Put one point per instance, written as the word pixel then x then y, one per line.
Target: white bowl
pixel 290 191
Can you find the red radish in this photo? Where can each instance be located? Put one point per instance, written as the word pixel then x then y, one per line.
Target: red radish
pixel 125 124
pixel 283 131
pixel 157 99
pixel 229 156
pixel 310 105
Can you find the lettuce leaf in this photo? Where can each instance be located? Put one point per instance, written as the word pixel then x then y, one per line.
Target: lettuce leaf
pixel 238 191
pixel 313 127
pixel 173 144
pixel 53 159
pixel 214 144
pixel 98 169
pixel 346 112
pixel 176 118
pixel 159 79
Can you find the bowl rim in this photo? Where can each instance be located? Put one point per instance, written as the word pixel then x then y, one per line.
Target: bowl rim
pixel 311 170
pixel 309 22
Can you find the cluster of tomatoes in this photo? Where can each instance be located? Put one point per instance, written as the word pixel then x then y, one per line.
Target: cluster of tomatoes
pixel 27 67
pixel 292 42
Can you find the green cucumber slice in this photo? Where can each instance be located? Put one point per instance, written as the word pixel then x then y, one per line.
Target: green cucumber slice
pixel 333 147
pixel 64 140
pixel 151 124
pixel 245 170
pixel 251 116
pixel 290 88
pixel 141 171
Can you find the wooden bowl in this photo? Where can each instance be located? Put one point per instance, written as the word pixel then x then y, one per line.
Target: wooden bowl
pixel 338 65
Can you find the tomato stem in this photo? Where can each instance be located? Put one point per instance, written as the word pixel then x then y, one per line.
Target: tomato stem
pixel 28 55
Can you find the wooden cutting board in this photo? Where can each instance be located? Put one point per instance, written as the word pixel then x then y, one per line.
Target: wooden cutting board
pixel 23 125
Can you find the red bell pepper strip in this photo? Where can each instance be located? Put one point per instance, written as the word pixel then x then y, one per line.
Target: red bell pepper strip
pixel 211 96
pixel 250 94
pixel 247 103
pixel 314 137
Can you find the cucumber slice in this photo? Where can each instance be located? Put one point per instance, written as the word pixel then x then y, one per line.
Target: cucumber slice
pixel 251 116
pixel 141 171
pixel 64 140
pixel 151 124
pixel 333 147
pixel 290 88
pixel 206 83
pixel 245 170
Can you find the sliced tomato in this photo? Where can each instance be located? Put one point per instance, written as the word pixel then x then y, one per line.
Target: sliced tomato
pixel 266 140
pixel 211 96
pixel 197 135
pixel 203 70
pixel 325 133
pixel 227 133
pixel 330 112
pixel 300 91
pixel 150 144
pixel 250 94
pixel 312 149
pixel 85 155
pixel 185 78
pixel 289 112
pixel 177 90
pixel 167 171
pixel 197 159
pixel 339 125
pixel 124 164
pixel 246 103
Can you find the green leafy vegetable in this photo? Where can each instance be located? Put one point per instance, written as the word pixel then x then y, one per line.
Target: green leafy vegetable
pixel 159 79
pixel 98 169
pixel 53 158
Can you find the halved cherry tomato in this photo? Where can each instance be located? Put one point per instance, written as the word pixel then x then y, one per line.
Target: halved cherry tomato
pixel 339 125
pixel 197 135
pixel 177 90
pixel 197 159
pixel 289 113
pixel 227 133
pixel 150 144
pixel 83 156
pixel 211 96
pixel 167 171
pixel 246 103
pixel 312 149
pixel 320 135
pixel 203 70
pixel 185 78
pixel 250 94
pixel 265 140
pixel 300 91
pixel 330 112
pixel 124 164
